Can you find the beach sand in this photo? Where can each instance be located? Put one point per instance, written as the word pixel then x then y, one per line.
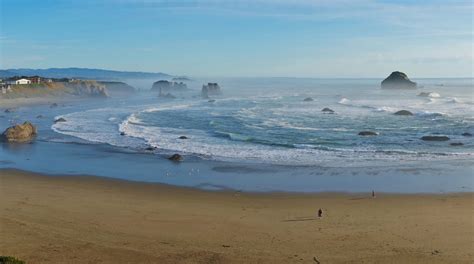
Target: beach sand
pixel 52 219
pixel 34 101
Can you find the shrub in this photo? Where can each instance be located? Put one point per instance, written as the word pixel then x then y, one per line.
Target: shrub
pixel 10 260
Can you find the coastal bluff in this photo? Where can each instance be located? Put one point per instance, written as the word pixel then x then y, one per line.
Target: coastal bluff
pixel 75 88
pixel 398 80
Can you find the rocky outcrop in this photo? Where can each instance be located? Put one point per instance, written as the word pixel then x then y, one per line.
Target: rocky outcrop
pixel 176 157
pixel 164 87
pixel 59 120
pixel 403 113
pixel 327 110
pixel 368 133
pixel 435 138
pixel 210 89
pixel 456 144
pixel 398 80
pixel 308 99
pixel 183 137
pixel 118 88
pixel 20 133
pixel 88 89
pixel 467 134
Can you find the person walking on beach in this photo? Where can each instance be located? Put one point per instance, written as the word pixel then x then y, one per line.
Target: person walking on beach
pixel 320 212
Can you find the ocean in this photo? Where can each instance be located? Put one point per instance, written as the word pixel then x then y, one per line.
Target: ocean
pixel 264 128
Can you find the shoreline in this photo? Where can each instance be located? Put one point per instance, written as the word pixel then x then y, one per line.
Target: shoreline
pixel 222 189
pixel 54 219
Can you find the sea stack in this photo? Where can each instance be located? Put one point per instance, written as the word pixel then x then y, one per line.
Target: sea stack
pixel 210 89
pixel 398 80
pixel 166 88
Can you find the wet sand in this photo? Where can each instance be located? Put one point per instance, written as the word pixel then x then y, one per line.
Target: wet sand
pixel 83 219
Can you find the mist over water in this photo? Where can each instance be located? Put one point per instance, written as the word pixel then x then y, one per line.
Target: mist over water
pixel 266 120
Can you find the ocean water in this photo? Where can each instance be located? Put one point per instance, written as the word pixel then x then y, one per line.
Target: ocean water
pixel 265 122
pixel 268 121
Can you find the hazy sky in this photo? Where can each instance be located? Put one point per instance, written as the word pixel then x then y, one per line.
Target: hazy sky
pixel 299 38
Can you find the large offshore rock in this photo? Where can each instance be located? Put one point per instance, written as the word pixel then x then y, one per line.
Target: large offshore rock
pixel 398 80
pixel 165 87
pixel 210 89
pixel 20 133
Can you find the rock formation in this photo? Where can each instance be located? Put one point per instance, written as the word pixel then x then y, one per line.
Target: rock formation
pixel 118 88
pixel 176 157
pixel 308 99
pixel 435 138
pixel 20 133
pixel 398 80
pixel 88 89
pixel 368 133
pixel 59 120
pixel 403 113
pixel 210 89
pixel 165 87
pixel 327 110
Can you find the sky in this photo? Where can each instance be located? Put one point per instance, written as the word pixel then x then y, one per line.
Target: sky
pixel 242 38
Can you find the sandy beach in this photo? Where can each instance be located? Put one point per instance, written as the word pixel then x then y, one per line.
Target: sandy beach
pixel 34 101
pixel 83 219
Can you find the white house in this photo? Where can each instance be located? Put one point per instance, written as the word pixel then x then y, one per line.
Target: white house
pixel 22 81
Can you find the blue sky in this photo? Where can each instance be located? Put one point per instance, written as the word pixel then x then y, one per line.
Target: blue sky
pixel 297 38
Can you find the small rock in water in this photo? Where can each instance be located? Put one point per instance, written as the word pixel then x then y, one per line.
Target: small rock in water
pixel 122 133
pixel 456 144
pixel 211 101
pixel 39 116
pixel 59 120
pixel 183 137
pixel 176 157
pixel 53 105
pixel 368 133
pixel 435 138
pixel 467 134
pixel 308 99
pixel 403 113
pixel 327 110
pixel 150 148
pixel 9 110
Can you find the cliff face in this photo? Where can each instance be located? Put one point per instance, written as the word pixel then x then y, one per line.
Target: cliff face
pixel 88 89
pixel 57 89
pixel 118 88
pixel 398 80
